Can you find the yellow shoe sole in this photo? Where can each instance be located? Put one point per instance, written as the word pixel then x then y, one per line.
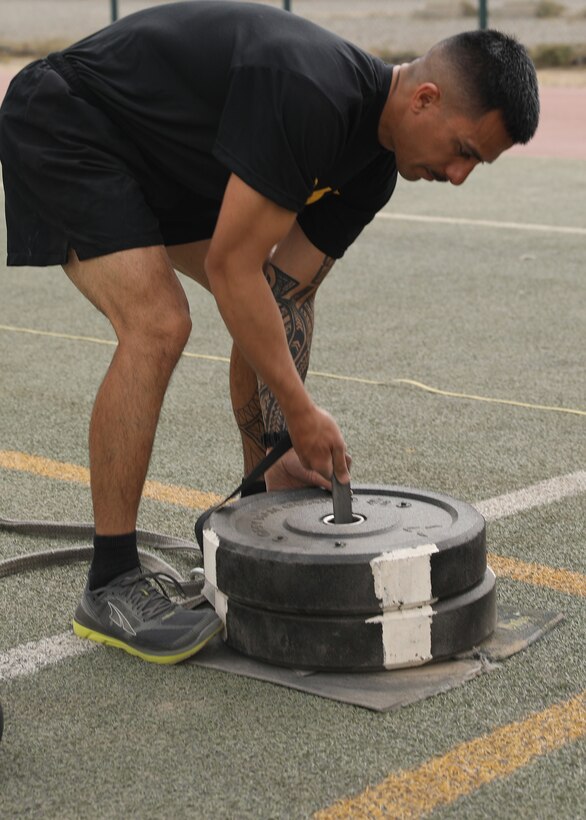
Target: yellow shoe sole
pixel 107 640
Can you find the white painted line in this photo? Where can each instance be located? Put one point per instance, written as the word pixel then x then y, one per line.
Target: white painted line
pixel 94 340
pixel 484 223
pixel 537 495
pixel 35 655
pixel 28 658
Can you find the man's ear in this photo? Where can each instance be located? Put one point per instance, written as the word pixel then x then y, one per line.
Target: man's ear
pixel 424 96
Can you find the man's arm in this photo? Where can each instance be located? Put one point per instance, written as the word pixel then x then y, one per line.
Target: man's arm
pixel 248 228
pixel 255 408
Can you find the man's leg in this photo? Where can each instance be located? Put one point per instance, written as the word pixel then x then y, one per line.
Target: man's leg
pixel 138 291
pixel 189 258
pixel 247 409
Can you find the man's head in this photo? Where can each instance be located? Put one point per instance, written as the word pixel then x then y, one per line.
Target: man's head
pixel 467 100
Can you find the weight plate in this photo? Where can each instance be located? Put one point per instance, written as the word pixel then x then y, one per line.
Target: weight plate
pixel 407 547
pixel 391 640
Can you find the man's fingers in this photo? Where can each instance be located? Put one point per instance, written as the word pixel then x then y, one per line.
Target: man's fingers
pixel 317 480
pixel 320 445
pixel 337 464
pixel 337 461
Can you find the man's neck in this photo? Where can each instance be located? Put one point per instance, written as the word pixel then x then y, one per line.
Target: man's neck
pixel 391 108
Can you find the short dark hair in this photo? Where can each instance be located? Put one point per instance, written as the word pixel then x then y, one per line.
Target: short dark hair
pixel 496 72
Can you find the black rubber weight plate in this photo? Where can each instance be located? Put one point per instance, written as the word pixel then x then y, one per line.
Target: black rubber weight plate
pixel 391 640
pixel 408 547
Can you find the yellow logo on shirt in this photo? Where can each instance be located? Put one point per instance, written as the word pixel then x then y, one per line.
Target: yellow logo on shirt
pixel 318 193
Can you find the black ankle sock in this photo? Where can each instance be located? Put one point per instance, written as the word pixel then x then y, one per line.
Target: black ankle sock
pixel 113 555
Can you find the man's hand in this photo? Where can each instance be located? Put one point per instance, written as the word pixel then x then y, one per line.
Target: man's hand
pixel 289 474
pixel 319 444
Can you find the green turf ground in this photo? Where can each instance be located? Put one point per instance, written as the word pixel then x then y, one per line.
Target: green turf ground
pixel 495 312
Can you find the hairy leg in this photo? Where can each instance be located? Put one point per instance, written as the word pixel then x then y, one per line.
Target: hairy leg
pixel 138 291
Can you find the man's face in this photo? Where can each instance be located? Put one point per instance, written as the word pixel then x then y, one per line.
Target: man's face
pixel 438 143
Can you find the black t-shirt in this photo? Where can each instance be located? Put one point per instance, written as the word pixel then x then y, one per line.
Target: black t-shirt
pixel 208 87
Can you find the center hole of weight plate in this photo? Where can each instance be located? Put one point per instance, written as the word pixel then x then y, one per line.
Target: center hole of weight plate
pixel 356 519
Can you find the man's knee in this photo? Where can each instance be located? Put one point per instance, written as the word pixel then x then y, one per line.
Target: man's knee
pixel 138 291
pixel 164 334
pixel 158 335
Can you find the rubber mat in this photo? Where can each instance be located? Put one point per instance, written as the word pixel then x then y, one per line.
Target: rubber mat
pixel 387 691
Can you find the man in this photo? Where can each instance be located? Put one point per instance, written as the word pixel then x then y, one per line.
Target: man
pixel 246 148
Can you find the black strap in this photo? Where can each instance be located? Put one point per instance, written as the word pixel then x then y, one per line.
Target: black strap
pixel 280 448
pixel 254 475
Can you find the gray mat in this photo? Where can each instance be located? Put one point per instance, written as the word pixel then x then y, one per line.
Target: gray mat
pixel 386 691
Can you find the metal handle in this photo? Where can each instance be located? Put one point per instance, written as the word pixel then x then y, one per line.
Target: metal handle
pixel 342 498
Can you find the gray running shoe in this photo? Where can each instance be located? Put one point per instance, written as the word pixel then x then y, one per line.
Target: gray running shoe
pixel 132 614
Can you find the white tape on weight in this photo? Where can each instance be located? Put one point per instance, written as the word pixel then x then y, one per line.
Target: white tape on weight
pixel 402 577
pixel 406 636
pixel 211 542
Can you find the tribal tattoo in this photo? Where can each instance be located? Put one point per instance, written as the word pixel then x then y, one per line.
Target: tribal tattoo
pixel 297 309
pixel 251 425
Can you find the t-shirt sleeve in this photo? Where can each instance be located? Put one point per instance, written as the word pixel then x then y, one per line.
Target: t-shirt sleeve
pixel 278 133
pixel 334 222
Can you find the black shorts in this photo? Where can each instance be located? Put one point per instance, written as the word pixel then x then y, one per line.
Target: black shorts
pixel 73 180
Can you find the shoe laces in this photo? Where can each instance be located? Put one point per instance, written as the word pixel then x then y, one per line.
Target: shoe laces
pixel 150 601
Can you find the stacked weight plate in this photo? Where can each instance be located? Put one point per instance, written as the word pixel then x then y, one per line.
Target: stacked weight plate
pixel 405 583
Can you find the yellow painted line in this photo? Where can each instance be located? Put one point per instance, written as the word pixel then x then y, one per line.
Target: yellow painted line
pixel 562 580
pixel 472 397
pixel 62 471
pixel 180 496
pixel 321 374
pixel 46 467
pixel 413 793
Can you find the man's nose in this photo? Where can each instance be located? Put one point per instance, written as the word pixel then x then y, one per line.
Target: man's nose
pixel 460 169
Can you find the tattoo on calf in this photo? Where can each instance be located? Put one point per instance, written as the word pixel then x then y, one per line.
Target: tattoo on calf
pixel 250 422
pixel 297 309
